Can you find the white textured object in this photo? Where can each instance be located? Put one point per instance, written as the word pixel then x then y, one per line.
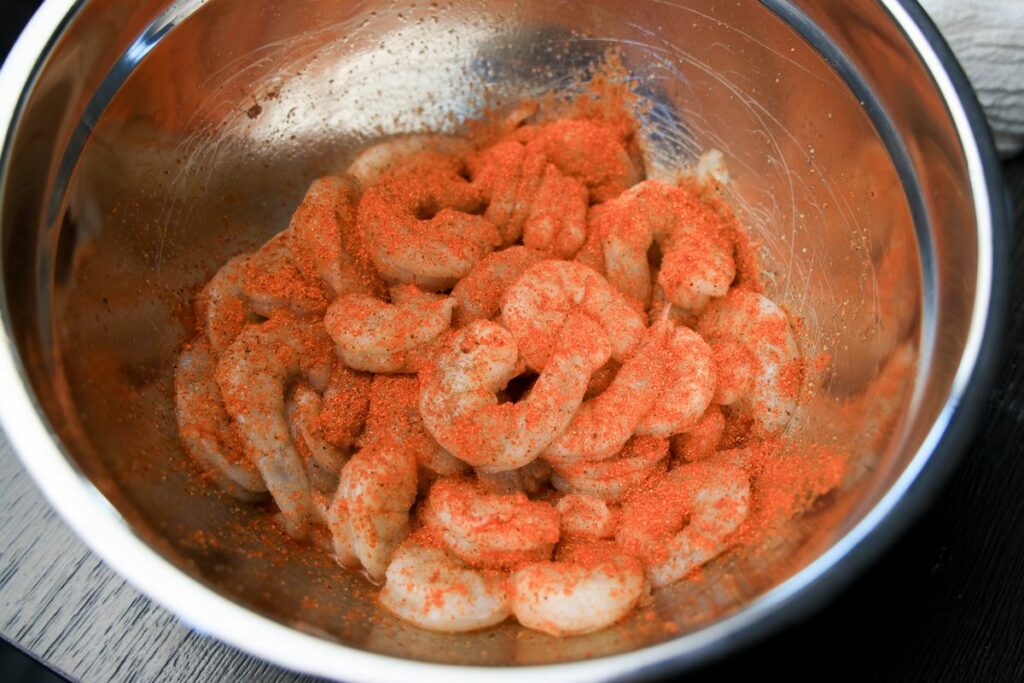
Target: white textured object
pixel 987 37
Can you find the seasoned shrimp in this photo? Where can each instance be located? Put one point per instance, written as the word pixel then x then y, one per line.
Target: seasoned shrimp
pixel 323 460
pixel 604 424
pixel 599 586
pixel 585 516
pixel 509 178
pixel 735 367
pixel 479 294
pixel 688 383
pixel 591 150
pixel 684 520
pixel 490 530
pixel 531 479
pixel 458 399
pixel 377 160
pixel 376 492
pixel 252 375
pixel 536 305
pixel 557 219
pixel 702 440
pixel 611 479
pixel 205 427
pixel 395 413
pixel 324 242
pixel 754 321
pixel 429 588
pixel 697 257
pixel 419 226
pixel 376 336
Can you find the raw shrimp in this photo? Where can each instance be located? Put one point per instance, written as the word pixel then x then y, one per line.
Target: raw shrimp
pixel 604 424
pixel 344 407
pixel 395 413
pixel 323 460
pixel 376 336
pixel 754 321
pixel 557 219
pixel 376 161
pixel 480 293
pixel 735 367
pixel 590 150
pixel 697 255
pixel 702 440
pixel 324 242
pixel 688 382
pixel 376 492
pixel 585 593
pixel 611 479
pixel 458 399
pixel 536 305
pixel 509 178
pixel 490 530
pixel 683 521
pixel 419 226
pixel 248 287
pixel 429 588
pixel 205 427
pixel 252 375
pixel 586 516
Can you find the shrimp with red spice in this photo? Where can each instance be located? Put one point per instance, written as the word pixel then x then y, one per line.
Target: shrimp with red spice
pixel 770 370
pixel 589 588
pixel 583 516
pixel 479 294
pixel 420 227
pixel 205 427
pixel 435 591
pixel 490 530
pixel 402 152
pixel 376 336
pixel 459 403
pixel 688 383
pixel 603 424
pixel 684 520
pixel 613 478
pixel 254 286
pixel 370 510
pixel 324 242
pixel 537 304
pixel 529 197
pixel 701 440
pixel 697 262
pixel 253 374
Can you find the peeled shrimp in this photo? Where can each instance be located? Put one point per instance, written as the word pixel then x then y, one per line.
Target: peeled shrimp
pixel 684 520
pixel 611 479
pixel 458 399
pixel 754 321
pixel 324 242
pixel 323 460
pixel 689 383
pixel 536 305
pixel 591 150
pixel 604 424
pixel 205 427
pixel 490 530
pixel 429 588
pixel 585 516
pixel 376 492
pixel 509 178
pixel 419 226
pixel 701 440
pixel 376 336
pixel 697 258
pixel 479 294
pixel 252 375
pixel 395 413
pixel 376 161
pixel 571 598
pixel 735 367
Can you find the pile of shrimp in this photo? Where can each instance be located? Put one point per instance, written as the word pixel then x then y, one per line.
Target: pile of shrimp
pixel 503 375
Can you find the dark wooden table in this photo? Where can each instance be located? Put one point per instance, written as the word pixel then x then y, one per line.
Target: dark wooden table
pixel 946 603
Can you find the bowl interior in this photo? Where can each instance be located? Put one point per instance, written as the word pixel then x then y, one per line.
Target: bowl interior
pixel 188 133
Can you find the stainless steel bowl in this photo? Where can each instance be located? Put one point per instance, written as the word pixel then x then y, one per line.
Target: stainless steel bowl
pixel 147 142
